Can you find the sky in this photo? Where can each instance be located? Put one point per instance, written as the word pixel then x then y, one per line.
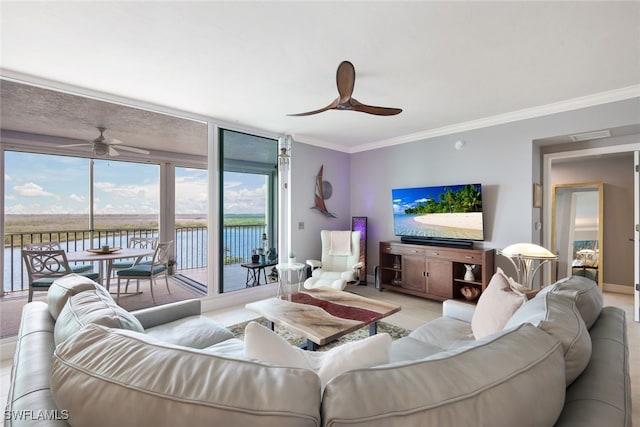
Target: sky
pixel 404 198
pixel 46 184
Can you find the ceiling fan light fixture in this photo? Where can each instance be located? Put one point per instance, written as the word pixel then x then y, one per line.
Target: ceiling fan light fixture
pixel 100 149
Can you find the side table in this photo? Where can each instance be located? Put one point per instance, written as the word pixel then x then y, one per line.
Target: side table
pixel 289 268
pixel 253 273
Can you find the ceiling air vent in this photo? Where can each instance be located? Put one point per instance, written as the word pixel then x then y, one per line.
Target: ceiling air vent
pixel 591 135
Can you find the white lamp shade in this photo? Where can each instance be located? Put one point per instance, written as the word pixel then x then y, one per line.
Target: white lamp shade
pixel 527 250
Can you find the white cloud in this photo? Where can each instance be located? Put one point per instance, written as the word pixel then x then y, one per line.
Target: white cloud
pixel 7 177
pixel 106 186
pixel 231 184
pixel 245 200
pixel 31 189
pixel 76 198
pixel 15 209
pixel 128 198
pixel 191 196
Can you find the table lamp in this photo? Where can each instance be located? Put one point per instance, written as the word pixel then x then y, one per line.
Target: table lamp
pixel 522 256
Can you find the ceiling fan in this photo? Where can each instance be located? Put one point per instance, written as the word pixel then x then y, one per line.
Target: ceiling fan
pixel 104 147
pixel 345 79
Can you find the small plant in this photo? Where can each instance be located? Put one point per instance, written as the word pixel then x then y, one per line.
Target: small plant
pixel 171 265
pixel 292 254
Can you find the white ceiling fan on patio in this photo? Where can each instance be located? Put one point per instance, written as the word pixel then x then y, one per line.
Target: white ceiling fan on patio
pixel 105 147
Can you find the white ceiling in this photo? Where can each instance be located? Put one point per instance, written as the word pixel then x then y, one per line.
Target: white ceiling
pixel 450 65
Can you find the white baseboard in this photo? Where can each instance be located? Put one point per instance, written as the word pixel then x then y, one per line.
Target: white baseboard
pixel 618 289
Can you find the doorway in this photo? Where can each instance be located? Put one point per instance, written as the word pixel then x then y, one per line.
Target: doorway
pixel 587 165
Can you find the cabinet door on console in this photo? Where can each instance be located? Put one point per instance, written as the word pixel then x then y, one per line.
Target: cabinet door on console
pixel 413 273
pixel 440 278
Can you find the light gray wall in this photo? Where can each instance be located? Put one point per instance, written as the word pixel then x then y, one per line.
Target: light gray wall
pixel 616 172
pixel 501 158
pixel 305 164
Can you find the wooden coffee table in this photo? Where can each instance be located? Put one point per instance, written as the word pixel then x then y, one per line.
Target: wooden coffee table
pixel 323 315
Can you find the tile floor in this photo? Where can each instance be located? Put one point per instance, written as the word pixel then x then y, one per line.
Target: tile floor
pixel 415 312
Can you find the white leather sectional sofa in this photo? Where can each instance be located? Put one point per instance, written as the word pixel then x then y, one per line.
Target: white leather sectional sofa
pixel 83 361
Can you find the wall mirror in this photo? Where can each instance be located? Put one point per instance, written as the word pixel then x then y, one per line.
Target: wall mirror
pixel 576 229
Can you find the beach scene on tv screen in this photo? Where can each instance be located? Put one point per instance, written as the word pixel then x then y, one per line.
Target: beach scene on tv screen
pixel 448 211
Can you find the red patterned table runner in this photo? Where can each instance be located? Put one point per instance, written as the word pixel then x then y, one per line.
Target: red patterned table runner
pixel 341 311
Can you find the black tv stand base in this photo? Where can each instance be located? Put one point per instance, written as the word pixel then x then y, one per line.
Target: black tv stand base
pixel 464 244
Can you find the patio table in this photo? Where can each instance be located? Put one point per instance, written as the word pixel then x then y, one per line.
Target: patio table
pixel 106 259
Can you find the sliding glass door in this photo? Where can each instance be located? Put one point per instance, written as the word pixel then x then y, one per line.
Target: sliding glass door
pixel 248 213
pixel 191 234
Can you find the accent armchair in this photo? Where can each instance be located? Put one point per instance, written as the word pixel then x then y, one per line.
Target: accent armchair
pixel 340 261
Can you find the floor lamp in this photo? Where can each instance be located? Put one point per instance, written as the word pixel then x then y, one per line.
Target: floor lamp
pixel 522 256
pixel 359 223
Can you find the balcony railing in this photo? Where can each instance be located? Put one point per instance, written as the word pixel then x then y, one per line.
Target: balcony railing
pixel 190 246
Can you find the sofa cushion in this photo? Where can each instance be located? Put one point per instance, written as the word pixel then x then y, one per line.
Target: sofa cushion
pixel 193 331
pixel 92 306
pixel 496 305
pixel 263 344
pixel 110 377
pixel 445 333
pixel 585 292
pixel 29 387
pixel 488 384
pixel 63 288
pixel 233 347
pixel 558 315
pixel 601 396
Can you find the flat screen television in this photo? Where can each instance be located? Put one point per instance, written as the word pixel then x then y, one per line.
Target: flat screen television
pixel 445 214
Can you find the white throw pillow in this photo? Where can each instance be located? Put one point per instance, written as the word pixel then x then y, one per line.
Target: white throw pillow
pixel 496 305
pixel 263 344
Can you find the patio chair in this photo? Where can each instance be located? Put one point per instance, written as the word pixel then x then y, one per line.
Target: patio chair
pixel 55 244
pixel 149 271
pixel 45 266
pixel 135 242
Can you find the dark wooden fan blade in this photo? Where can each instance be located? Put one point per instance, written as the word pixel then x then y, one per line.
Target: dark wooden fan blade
pixel 345 79
pixel 371 109
pixel 331 106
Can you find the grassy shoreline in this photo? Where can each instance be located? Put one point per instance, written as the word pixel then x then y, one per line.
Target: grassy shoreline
pixel 58 225
pixel 80 222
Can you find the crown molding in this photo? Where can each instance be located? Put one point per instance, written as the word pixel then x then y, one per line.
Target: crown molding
pixel 319 143
pixel 620 94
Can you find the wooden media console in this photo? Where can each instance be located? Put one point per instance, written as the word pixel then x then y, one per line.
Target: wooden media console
pixel 433 272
